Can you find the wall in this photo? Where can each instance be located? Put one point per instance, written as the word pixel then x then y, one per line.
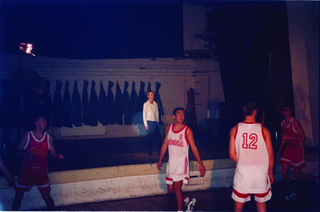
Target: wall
pixel 303 22
pixel 175 77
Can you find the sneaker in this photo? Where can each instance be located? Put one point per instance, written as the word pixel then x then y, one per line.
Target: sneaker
pixel 191 204
pixel 291 196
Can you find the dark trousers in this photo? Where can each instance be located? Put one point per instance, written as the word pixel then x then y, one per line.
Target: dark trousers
pixel 151 134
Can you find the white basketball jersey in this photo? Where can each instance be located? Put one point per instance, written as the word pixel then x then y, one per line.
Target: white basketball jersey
pixel 178 163
pixel 251 174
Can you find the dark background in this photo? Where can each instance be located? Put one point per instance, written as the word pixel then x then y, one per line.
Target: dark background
pixel 94 29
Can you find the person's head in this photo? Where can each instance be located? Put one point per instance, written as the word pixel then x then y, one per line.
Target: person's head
pixel 150 95
pixel 178 114
pixel 286 111
pixel 40 122
pixel 249 108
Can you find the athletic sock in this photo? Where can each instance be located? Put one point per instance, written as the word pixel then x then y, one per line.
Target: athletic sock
pixel 186 200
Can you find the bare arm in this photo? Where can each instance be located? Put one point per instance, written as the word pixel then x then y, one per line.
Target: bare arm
pixel 195 151
pixel 283 141
pixel 163 150
pixel 53 150
pixel 232 146
pixel 19 149
pixel 267 138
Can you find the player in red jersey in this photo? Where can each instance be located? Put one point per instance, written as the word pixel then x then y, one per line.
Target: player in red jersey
pixel 34 147
pixel 293 154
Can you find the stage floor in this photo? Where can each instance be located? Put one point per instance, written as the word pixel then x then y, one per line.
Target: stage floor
pixel 106 152
pixel 82 154
pixel 96 153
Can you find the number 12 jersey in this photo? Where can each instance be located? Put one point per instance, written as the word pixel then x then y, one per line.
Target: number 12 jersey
pixel 251 174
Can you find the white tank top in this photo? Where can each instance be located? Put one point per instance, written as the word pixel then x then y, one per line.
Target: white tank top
pixel 251 174
pixel 178 147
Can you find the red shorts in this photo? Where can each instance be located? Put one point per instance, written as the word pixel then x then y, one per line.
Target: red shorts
pixel 239 197
pixel 30 176
pixel 293 157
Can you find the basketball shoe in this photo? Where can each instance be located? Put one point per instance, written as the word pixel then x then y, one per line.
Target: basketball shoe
pixel 291 196
pixel 191 204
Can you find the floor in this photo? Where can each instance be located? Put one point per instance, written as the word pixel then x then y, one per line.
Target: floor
pixel 212 200
pixel 94 153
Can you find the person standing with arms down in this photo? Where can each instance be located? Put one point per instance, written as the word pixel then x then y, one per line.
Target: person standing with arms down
pixel 177 140
pixel 151 120
pixel 34 147
pixel 293 154
pixel 251 148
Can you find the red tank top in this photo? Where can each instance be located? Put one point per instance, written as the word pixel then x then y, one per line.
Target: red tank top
pixel 289 130
pixel 39 148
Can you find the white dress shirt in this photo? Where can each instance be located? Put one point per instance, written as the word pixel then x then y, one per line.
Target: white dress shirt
pixel 150 112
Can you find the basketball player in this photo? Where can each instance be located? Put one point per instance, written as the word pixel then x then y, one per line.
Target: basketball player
pixel 251 148
pixel 293 154
pixel 178 139
pixel 34 147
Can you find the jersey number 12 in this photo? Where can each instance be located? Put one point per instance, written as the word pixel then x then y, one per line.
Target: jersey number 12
pixel 253 138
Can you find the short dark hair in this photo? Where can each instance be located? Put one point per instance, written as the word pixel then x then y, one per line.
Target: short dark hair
pixel 249 107
pixel 285 107
pixel 176 109
pixel 36 118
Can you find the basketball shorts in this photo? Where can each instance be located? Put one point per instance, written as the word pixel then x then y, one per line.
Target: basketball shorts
pixel 293 157
pixel 170 181
pixel 239 197
pixel 30 176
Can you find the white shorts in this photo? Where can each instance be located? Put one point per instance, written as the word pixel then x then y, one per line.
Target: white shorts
pixel 170 181
pixel 239 197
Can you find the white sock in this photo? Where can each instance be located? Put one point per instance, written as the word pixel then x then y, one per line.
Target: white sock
pixel 187 199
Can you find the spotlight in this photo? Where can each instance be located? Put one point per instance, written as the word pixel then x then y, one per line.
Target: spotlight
pixel 27 48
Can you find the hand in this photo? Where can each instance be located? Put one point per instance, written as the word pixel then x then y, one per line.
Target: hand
pixel 279 154
pixel 271 178
pixel 202 170
pixel 30 156
pixel 60 156
pixel 159 164
pixel 147 128
pixel 284 137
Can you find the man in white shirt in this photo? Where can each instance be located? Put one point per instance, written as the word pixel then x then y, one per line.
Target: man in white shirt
pixel 151 119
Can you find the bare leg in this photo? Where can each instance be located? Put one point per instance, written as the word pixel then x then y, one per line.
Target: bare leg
pixel 16 204
pixel 179 195
pixel 261 206
pixel 284 172
pixel 48 199
pixel 298 174
pixel 170 189
pixel 238 206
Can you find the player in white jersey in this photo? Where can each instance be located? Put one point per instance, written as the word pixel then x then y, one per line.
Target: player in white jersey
pixel 251 148
pixel 178 139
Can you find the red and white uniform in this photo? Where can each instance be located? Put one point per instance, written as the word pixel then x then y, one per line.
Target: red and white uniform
pixel 293 153
pixel 251 174
pixel 178 163
pixel 35 171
